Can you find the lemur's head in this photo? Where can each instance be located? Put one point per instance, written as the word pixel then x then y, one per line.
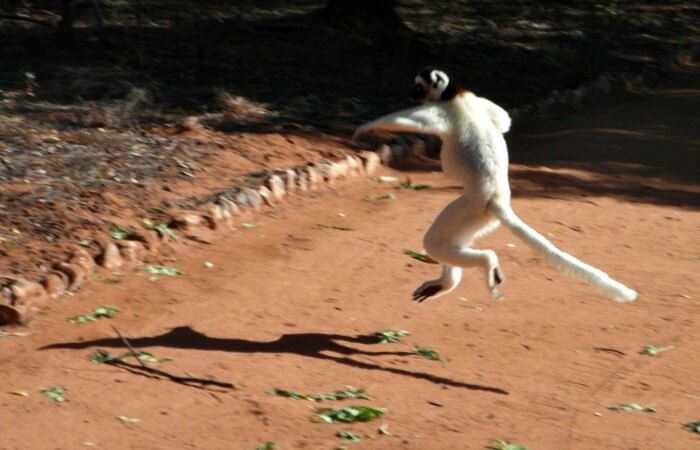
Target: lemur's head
pixel 433 85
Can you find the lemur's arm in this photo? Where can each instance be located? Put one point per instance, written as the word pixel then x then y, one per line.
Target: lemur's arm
pixel 498 115
pixel 424 119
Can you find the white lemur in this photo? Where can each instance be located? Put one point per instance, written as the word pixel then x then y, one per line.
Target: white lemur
pixel 475 152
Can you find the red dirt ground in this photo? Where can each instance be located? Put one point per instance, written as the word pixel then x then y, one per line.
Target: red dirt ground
pixel 286 305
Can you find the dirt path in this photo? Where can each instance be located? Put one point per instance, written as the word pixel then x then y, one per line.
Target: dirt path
pixel 287 303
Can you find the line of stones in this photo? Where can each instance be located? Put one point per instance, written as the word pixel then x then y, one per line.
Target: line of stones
pixel 21 299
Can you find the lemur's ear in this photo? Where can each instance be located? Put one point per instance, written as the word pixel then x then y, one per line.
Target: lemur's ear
pixel 438 77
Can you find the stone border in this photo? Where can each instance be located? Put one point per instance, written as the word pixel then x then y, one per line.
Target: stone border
pixel 22 299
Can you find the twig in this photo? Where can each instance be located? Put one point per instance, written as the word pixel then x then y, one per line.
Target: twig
pixel 129 346
pixel 187 381
pixel 178 379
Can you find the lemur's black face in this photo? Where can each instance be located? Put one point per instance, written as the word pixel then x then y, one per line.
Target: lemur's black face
pixel 418 92
pixel 430 84
pixel 433 85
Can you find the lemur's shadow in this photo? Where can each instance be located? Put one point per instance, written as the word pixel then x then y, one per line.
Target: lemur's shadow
pixel 313 345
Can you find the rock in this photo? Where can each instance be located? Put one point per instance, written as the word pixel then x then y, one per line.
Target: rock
pixel 276 186
pixel 341 168
pixel 302 179
pixel 8 314
pixel 111 258
pixel 267 196
pixel 76 274
pixel 81 257
pixel 228 206
pixel 133 252
pixel 314 176
pixel 191 123
pixel 55 284
pixel 28 297
pixel 290 180
pixel 326 170
pixel 152 239
pixel 370 161
pixel 250 198
pixel 214 214
pixel 186 220
pixel 354 166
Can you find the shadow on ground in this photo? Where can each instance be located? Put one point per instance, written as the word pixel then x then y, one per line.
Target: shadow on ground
pixel 313 345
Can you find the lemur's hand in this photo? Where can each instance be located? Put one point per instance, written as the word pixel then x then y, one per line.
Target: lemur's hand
pixel 360 131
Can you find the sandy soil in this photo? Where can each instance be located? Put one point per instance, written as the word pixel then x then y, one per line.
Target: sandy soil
pixel 289 305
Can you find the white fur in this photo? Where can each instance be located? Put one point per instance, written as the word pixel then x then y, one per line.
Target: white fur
pixel 475 153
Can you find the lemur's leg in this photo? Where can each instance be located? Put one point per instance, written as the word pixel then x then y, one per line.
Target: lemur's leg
pixel 448 241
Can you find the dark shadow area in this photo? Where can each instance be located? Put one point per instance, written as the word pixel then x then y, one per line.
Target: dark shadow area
pixel 537 183
pixel 311 345
pixel 642 148
pixel 310 65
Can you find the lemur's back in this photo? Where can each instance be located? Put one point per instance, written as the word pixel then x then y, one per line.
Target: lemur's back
pixel 476 154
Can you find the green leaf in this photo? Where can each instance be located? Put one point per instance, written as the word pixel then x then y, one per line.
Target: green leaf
pixel 82 319
pixel 391 336
pixel 57 393
pixel 632 407
pixel 121 233
pixel 650 350
pixel 102 357
pixel 349 435
pixel 427 353
pixel 266 446
pixel 125 419
pixel 248 225
pixel 163 229
pixel 105 311
pixel 287 394
pixel 693 426
pixel 350 414
pixel 408 184
pixel 96 314
pixel 162 270
pixel 653 351
pixel 420 256
pixel 145 356
pixel 505 445
pixel 332 227
pixel 84 242
pixel 333 396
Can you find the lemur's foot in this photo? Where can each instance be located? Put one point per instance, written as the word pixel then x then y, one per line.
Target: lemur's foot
pixel 429 290
pixel 498 275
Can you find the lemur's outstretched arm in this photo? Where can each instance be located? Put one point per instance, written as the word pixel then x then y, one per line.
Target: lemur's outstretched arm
pixel 424 119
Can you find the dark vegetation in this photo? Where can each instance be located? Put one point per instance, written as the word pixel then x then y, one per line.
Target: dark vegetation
pixel 92 91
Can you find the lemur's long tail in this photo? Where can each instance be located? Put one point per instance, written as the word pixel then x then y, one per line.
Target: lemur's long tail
pixel 562 261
